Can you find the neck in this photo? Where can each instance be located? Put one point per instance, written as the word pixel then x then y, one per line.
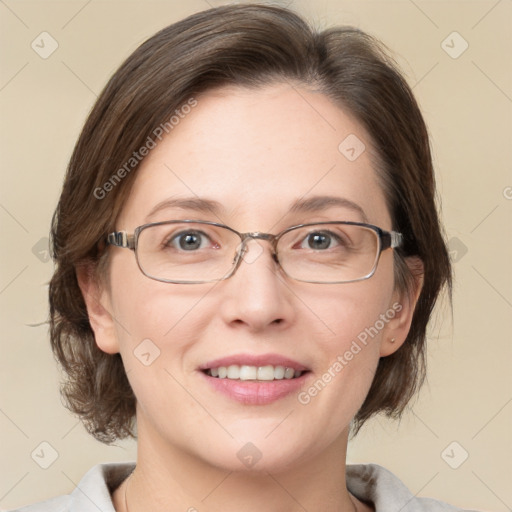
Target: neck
pixel 167 478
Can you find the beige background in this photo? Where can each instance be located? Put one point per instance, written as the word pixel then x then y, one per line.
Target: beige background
pixel 467 102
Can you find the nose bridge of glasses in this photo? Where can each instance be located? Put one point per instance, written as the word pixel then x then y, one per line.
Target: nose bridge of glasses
pixel 257 235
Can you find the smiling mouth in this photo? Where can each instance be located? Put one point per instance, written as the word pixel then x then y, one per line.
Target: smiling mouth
pixel 254 373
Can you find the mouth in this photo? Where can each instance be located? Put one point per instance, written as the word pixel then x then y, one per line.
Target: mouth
pixel 254 373
pixel 255 380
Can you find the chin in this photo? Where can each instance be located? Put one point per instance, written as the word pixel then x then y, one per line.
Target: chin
pixel 262 452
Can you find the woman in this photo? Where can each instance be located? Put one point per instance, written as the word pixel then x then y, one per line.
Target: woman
pixel 248 253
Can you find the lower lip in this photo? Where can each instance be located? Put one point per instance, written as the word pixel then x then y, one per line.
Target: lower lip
pixel 256 393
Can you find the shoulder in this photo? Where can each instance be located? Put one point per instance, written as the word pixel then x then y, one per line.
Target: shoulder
pixel 374 484
pixel 92 493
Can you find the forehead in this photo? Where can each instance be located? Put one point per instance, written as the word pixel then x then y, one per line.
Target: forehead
pixel 256 152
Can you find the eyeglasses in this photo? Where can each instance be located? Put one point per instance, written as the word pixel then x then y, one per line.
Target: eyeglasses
pixel 190 252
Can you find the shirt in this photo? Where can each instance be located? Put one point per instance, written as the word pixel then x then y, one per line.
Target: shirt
pixel 368 482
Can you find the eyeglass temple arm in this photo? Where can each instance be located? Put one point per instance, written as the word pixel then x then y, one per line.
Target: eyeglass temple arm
pixel 121 239
pixel 391 239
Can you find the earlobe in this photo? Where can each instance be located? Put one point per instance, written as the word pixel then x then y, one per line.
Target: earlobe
pixel 97 301
pixel 403 305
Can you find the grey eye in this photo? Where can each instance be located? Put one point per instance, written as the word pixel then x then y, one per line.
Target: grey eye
pixel 319 241
pixel 188 240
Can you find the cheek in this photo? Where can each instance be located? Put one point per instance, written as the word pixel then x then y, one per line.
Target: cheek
pixel 356 313
pixel 156 330
pixel 353 320
pixel 353 348
pixel 145 308
pixel 171 318
pixel 148 317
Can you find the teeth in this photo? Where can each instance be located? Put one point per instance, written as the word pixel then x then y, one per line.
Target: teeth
pixel 244 372
pixel 279 372
pixel 248 373
pixel 269 372
pixel 289 373
pixel 233 372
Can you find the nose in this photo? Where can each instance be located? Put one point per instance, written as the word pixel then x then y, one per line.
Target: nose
pixel 257 295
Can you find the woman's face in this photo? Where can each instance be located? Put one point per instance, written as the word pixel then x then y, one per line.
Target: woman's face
pixel 256 153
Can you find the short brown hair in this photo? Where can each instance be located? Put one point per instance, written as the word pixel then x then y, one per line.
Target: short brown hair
pixel 249 46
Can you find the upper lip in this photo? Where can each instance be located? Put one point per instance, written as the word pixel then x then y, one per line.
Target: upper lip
pixel 254 360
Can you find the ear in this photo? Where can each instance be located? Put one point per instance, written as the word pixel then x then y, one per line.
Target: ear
pixel 402 308
pixel 97 300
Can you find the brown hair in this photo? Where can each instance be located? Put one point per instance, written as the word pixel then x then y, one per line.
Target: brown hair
pixel 250 46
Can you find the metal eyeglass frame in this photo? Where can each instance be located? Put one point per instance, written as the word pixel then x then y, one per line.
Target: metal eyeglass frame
pixel 387 240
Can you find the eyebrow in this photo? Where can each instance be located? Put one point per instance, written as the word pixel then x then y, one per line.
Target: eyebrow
pixel 188 203
pixel 308 205
pixel 318 203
